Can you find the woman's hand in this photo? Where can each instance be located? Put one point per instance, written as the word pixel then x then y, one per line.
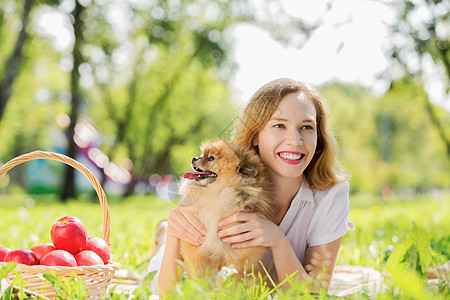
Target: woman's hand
pixel 185 226
pixel 252 229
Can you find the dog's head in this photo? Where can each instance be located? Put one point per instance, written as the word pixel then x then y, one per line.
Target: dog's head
pixel 221 159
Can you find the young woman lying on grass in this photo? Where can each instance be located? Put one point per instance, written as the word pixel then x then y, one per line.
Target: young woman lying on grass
pixel 285 121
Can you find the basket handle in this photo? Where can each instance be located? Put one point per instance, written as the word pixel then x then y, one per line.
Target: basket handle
pixel 73 163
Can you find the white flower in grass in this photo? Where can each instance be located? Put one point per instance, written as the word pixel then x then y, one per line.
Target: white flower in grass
pixel 3 286
pixel 373 251
pixel 226 272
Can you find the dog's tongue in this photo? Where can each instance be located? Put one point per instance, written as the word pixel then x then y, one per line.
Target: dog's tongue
pixel 193 175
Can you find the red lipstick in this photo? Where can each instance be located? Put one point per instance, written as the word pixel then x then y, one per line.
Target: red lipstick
pixel 291 157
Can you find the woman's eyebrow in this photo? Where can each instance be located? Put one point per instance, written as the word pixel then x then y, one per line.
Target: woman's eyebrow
pixel 278 119
pixel 286 120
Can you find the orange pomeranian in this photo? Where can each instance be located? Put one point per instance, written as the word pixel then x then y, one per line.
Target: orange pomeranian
pixel 227 179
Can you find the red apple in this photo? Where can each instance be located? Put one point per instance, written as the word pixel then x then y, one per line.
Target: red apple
pixel 99 246
pixel 69 234
pixel 88 258
pixel 42 249
pixel 22 256
pixel 59 258
pixel 3 252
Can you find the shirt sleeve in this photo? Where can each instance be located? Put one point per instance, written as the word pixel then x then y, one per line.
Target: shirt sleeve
pixel 330 219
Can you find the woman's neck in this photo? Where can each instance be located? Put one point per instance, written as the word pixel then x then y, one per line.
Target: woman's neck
pixel 284 191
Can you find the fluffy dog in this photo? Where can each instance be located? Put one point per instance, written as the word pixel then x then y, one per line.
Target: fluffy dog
pixel 227 180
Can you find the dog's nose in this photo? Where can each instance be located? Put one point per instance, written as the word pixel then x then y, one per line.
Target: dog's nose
pixel 194 159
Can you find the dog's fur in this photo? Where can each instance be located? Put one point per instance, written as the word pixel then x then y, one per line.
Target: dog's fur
pixel 237 180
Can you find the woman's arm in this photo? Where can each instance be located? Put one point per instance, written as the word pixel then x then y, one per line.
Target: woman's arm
pixel 168 275
pixel 318 262
pixel 259 231
pixel 180 225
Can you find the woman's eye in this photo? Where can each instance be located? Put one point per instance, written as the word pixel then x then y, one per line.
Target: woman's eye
pixel 279 126
pixel 307 127
pixel 211 158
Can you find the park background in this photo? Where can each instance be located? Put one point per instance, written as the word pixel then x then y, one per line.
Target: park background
pixel 131 88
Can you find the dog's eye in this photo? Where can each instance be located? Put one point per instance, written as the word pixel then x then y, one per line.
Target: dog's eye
pixel 211 158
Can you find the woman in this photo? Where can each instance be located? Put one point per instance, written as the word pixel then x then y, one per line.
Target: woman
pixel 285 121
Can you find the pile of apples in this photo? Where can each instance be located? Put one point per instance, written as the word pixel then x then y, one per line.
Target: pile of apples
pixel 70 247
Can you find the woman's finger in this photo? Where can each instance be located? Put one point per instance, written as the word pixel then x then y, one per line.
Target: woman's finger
pixel 182 221
pixel 178 221
pixel 234 230
pixel 246 244
pixel 194 221
pixel 173 231
pixel 237 217
pixel 239 238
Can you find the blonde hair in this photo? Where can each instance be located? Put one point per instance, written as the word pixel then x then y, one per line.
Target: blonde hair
pixel 324 170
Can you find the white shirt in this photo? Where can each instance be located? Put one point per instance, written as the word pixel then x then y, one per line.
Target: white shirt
pixel 315 217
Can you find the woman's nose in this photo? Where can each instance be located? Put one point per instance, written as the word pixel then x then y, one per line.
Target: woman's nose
pixel 295 138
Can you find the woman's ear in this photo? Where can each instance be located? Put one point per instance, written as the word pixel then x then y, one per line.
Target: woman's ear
pixel 255 140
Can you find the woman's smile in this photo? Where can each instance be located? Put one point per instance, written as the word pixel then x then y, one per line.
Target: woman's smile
pixel 291 157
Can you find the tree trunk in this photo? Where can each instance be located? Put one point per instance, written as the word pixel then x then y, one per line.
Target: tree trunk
pixel 437 125
pixel 13 64
pixel 130 187
pixel 69 189
pixel 121 122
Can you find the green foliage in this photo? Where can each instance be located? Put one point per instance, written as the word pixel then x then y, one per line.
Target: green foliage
pixel 156 85
pixel 36 97
pixel 7 294
pixel 418 34
pixel 394 144
pixel 381 224
pixel 65 287
pixel 408 265
pixel 399 237
pixel 352 107
pixel 406 140
pixel 414 254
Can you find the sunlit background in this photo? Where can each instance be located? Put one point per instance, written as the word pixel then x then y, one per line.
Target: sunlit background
pixel 131 88
pixel 351 45
pixel 158 77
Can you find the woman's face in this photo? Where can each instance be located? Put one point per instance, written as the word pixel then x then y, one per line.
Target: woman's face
pixel 288 141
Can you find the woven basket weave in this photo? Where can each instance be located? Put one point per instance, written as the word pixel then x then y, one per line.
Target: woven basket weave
pixel 96 278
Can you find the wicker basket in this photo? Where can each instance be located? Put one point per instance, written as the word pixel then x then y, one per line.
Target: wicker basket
pixel 96 278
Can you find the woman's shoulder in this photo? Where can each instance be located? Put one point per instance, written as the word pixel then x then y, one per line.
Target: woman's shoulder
pixel 331 208
pixel 341 186
pixel 335 196
pixel 338 188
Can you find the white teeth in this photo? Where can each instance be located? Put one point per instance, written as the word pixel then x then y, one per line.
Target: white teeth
pixel 290 156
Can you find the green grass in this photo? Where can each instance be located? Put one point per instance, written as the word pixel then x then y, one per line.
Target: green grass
pixel 398 237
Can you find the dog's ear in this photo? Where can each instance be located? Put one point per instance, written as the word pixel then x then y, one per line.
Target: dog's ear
pixel 248 170
pixel 247 167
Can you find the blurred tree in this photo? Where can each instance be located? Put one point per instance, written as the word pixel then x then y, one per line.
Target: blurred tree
pixel 353 107
pixel 18 101
pixel 420 41
pixel 12 64
pixel 183 56
pixel 394 145
pixel 171 47
pixel 409 149
pixel 68 188
pixel 143 68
